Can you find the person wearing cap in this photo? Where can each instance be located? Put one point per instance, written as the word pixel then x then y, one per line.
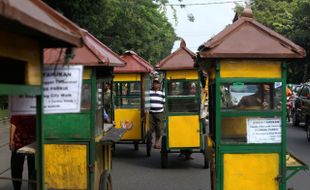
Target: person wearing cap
pixel 157 116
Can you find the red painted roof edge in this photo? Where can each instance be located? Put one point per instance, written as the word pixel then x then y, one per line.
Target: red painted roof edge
pixel 163 62
pixel 148 67
pixel 103 58
pixel 73 36
pixel 216 40
pixel 143 63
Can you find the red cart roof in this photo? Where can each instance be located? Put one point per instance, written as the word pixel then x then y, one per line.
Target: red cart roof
pixel 36 19
pixel 93 53
pixel 246 38
pixel 181 59
pixel 134 64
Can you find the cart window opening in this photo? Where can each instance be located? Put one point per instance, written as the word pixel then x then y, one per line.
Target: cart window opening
pixel 250 130
pixel 184 88
pixel 182 96
pixel 127 94
pixel 86 97
pixel 15 67
pixel 99 108
pixel 183 105
pixel 267 96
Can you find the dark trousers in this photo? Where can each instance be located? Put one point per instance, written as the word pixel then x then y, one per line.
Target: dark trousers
pixel 157 121
pixel 17 166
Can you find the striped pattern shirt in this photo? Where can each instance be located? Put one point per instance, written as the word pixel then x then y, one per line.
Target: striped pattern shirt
pixel 157 101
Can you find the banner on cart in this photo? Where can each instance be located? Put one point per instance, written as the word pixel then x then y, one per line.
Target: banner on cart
pixel 61 91
pixel 263 130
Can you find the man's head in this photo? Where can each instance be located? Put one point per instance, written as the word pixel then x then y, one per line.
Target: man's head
pixel 156 84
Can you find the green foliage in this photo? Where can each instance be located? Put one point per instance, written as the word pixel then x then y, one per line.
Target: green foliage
pixel 140 25
pixel 291 18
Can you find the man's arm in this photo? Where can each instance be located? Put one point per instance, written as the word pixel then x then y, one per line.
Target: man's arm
pixel 12 133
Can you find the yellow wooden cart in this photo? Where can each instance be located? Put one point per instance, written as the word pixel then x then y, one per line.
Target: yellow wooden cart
pixel 130 85
pixel 78 145
pixel 23 35
pixel 182 86
pixel 247 104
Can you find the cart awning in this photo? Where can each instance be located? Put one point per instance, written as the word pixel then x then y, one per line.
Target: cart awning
pixel 247 38
pixel 134 64
pixel 181 59
pixel 37 20
pixel 93 53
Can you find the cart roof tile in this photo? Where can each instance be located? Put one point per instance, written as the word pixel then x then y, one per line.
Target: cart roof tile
pixel 134 64
pixel 93 53
pixel 44 21
pixel 247 38
pixel 182 58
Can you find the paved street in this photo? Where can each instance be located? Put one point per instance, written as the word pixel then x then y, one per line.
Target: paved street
pixel 299 146
pixel 132 170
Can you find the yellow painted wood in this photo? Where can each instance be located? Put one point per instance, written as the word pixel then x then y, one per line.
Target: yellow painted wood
pixel 103 161
pixel 251 171
pixel 147 122
pixel 126 77
pixel 233 127
pixel 25 49
pixel 87 73
pixel 183 131
pixel 250 69
pixel 183 74
pixel 65 166
pixel 130 115
pixel 99 164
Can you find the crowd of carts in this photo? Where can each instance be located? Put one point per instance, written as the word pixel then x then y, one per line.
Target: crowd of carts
pixel 74 150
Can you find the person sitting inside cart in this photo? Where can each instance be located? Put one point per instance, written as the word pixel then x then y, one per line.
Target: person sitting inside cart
pixel 22 133
pixel 260 99
pixel 106 117
pixel 157 101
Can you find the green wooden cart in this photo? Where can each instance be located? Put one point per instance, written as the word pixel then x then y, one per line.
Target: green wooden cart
pixel 130 85
pixel 184 130
pixel 23 38
pixel 78 145
pixel 247 78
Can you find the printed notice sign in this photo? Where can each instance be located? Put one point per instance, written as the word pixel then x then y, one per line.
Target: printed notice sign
pixel 263 130
pixel 61 91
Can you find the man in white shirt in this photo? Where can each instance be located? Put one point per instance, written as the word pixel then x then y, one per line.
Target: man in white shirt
pixel 157 116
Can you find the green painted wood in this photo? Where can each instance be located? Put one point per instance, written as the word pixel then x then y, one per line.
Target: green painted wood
pixel 67 126
pixel 219 165
pixel 250 80
pixel 263 113
pixel 11 90
pixel 92 145
pixel 283 153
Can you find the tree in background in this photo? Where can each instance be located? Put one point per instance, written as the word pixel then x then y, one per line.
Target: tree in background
pixel 140 25
pixel 291 18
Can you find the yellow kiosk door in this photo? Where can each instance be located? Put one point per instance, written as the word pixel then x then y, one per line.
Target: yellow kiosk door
pixel 251 171
pixel 183 131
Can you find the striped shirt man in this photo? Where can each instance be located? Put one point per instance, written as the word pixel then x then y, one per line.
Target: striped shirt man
pixel 157 101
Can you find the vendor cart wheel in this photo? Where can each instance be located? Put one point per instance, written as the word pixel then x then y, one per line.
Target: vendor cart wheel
pixel 136 145
pixel 205 153
pixel 148 149
pixel 205 159
pixel 105 182
pixel 164 152
pixel 308 133
pixel 295 120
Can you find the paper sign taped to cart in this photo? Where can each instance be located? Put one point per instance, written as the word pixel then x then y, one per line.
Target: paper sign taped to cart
pixel 61 90
pixel 263 130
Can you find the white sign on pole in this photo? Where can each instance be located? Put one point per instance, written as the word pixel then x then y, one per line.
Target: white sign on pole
pixel 263 130
pixel 62 88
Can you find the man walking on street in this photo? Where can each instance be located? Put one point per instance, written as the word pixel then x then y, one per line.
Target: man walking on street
pixel 157 116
